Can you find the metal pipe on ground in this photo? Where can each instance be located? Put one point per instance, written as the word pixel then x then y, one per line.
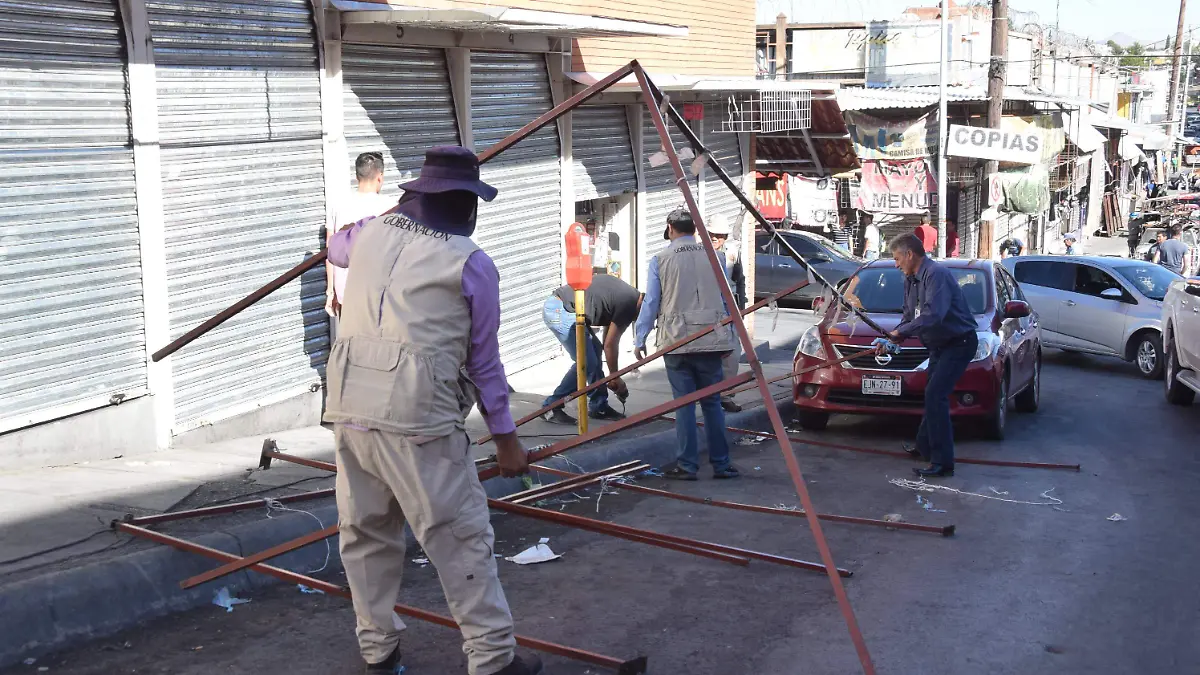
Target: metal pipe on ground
pixel 575 482
pixel 224 509
pixel 622 667
pixel 945 530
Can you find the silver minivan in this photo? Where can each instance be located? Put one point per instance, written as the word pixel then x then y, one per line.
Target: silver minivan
pixel 1098 305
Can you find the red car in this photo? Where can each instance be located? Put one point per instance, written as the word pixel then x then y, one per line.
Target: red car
pixel 1007 365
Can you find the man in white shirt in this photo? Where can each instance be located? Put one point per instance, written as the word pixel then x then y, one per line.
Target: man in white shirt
pixel 871 240
pixel 365 202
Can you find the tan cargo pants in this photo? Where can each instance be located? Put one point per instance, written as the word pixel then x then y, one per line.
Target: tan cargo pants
pixel 385 479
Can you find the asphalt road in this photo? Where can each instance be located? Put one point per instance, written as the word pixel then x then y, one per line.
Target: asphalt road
pixel 1019 589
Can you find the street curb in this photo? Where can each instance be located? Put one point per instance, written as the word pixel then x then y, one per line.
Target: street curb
pixel 61 609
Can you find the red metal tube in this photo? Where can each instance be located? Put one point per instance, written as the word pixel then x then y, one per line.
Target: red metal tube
pixel 945 531
pixel 261 556
pixel 575 482
pixel 227 508
pixel 630 667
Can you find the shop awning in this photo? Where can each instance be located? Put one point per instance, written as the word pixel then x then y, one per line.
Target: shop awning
pixel 904 97
pixel 500 19
pixel 1081 133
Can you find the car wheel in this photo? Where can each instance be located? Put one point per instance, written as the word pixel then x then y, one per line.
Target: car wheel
pixel 1029 400
pixel 1148 355
pixel 998 420
pixel 812 421
pixel 1177 393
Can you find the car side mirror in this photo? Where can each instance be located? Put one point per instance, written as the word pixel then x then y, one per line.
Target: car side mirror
pixel 1193 287
pixel 817 259
pixel 1017 309
pixel 1112 294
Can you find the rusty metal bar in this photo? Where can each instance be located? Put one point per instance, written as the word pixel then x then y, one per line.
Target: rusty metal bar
pixel 904 455
pixel 656 96
pixel 653 101
pixel 657 538
pixel 261 556
pixel 631 421
pixel 638 364
pixel 574 482
pixel 226 508
pixel 945 531
pixel 629 667
pixel 809 369
pixel 504 144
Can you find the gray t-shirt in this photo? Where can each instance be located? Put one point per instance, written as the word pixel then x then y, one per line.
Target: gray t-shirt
pixel 1170 255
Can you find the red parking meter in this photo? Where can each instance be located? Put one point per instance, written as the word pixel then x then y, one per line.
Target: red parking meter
pixel 579 257
pixel 579 277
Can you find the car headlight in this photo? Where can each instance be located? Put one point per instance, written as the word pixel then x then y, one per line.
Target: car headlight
pixel 989 344
pixel 810 344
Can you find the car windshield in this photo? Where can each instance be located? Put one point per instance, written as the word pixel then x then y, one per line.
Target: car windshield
pixel 1151 235
pixel 814 241
pixel 1150 280
pixel 880 290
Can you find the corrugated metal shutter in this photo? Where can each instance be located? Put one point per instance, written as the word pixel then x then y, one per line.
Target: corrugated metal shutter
pixel 70 285
pixel 601 152
pixel 520 228
pixel 243 187
pixel 727 150
pixel 398 101
pixel 662 194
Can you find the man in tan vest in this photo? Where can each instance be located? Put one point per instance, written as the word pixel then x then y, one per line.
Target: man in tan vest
pixel 417 345
pixel 682 297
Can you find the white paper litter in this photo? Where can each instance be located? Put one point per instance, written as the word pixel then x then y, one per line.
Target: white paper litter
pixel 224 599
pixel 397 622
pixel 894 518
pixel 421 561
pixel 538 553
pixel 1116 518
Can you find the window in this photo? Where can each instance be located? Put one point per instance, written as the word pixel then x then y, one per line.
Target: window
pixel 764 243
pixel 1003 293
pixel 1093 281
pixel 1150 280
pixel 1057 275
pixel 804 246
pixel 1013 289
pixel 881 289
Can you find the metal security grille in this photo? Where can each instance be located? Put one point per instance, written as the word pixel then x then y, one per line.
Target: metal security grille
pixel 520 229
pixel 243 190
pixel 398 101
pixel 601 152
pixel 662 195
pixel 70 285
pixel 726 149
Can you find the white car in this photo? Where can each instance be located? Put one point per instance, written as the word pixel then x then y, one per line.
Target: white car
pixel 1181 340
pixel 1098 305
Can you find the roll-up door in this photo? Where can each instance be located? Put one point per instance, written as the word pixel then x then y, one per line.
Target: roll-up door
pixel 70 285
pixel 601 152
pixel 520 228
pixel 398 101
pixel 662 194
pixel 726 149
pixel 243 190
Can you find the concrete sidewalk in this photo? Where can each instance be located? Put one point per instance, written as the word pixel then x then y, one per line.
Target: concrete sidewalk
pixel 57 517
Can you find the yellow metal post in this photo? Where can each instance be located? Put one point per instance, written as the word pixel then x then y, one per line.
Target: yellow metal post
pixel 581 344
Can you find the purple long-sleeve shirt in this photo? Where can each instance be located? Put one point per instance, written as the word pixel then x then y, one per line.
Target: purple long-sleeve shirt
pixel 481 290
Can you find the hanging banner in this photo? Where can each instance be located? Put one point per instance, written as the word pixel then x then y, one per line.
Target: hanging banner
pixel 772 204
pixel 908 186
pixel 814 201
pixel 1049 127
pixel 1026 190
pixel 876 138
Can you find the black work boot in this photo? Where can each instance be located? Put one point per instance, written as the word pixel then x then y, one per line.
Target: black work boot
pixel 390 665
pixel 530 665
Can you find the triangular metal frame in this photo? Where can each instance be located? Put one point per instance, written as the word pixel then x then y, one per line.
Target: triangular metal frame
pixel 656 104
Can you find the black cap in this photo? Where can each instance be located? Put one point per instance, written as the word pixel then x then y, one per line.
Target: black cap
pixel 681 219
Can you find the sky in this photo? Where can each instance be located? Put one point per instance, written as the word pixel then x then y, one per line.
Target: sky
pixel 1144 20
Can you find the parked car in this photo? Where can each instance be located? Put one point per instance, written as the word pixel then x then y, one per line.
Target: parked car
pixel 1098 305
pixel 1181 341
pixel 775 270
pixel 1007 366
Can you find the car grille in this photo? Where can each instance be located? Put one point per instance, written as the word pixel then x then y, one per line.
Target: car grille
pixel 908 358
pixel 857 398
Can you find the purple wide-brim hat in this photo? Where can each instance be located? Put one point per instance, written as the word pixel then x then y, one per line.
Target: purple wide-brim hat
pixel 448 168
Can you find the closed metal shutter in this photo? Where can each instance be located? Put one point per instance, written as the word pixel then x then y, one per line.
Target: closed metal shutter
pixel 398 101
pixel 601 152
pixel 243 189
pixel 520 228
pixel 662 194
pixel 726 149
pixel 70 285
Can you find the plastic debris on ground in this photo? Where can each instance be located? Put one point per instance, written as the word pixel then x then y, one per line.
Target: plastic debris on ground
pixel 224 599
pixel 309 591
pixel 750 440
pixel 928 505
pixel 653 473
pixel 894 518
pixel 420 561
pixel 1116 518
pixel 539 553
pixel 29 662
pixel 397 622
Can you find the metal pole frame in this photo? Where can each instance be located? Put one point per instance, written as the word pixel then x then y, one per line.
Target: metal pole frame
pixel 653 99
pixel 635 666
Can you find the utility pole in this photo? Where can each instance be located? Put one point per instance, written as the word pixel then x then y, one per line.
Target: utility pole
pixel 1175 63
pixel 1053 51
pixel 995 112
pixel 942 134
